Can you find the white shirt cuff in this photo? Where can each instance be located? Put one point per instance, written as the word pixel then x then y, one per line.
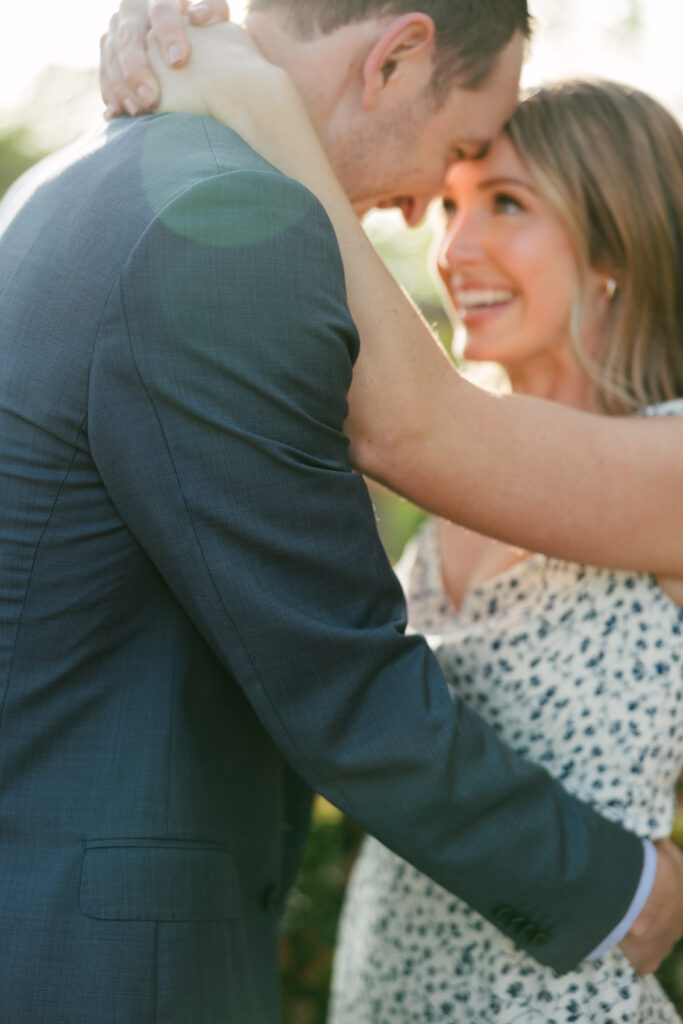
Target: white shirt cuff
pixel 641 897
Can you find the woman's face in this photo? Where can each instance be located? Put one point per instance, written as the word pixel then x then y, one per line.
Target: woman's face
pixel 507 261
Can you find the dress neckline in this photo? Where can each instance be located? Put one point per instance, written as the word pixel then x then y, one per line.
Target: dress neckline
pixel 433 566
pixel 535 564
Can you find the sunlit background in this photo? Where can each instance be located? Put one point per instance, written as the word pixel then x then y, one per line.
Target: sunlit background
pixel 640 41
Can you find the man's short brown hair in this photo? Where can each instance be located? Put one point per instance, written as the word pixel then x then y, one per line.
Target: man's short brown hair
pixel 469 33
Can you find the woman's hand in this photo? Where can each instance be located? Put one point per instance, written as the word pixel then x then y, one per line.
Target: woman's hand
pixel 228 79
pixel 660 923
pixel 127 81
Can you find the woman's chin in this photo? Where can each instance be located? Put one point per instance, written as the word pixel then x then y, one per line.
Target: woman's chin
pixel 485 347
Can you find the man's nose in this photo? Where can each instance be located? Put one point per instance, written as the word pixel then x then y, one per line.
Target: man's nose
pixel 415 211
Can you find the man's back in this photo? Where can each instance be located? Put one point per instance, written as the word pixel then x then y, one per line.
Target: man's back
pixel 141 802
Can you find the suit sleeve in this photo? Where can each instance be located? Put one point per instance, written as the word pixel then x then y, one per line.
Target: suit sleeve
pixel 218 394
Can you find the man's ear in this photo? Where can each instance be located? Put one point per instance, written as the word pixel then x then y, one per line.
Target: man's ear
pixel 406 38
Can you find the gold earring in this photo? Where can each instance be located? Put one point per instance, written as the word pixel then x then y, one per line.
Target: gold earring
pixel 610 288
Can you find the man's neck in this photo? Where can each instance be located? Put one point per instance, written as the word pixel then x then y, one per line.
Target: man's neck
pixel 323 67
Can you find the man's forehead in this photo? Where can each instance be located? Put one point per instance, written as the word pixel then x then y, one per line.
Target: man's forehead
pixel 477 114
pixel 471 121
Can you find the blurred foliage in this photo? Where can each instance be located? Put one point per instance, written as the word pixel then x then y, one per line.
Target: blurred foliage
pixel 310 921
pixel 16 156
pixel 62 103
pixel 397 519
pixel 631 23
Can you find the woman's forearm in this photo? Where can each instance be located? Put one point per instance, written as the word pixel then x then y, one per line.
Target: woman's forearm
pixel 583 487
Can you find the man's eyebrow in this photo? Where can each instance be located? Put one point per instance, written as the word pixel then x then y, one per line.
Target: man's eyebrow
pixel 483 150
pixel 480 146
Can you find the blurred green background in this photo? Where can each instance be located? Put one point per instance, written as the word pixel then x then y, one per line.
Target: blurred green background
pixel 55 110
pixel 308 931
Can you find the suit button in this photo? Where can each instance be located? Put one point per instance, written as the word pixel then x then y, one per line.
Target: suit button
pixel 519 924
pixel 504 915
pixel 540 939
pixel 271 899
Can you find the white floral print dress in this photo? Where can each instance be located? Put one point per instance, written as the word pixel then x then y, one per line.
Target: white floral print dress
pixel 580 669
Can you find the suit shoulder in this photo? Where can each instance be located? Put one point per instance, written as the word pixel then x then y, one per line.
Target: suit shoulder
pixel 235 208
pixel 186 158
pixel 193 147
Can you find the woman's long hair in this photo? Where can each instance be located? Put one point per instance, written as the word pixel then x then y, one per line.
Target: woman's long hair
pixel 609 160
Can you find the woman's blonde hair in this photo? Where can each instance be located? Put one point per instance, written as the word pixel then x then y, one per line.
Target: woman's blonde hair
pixel 609 160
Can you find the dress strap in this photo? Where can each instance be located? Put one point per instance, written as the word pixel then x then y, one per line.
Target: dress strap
pixel 672 408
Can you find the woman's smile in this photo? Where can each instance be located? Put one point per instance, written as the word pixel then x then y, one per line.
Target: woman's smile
pixel 478 303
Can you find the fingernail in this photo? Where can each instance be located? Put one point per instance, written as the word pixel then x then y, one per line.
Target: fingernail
pixel 146 95
pixel 131 107
pixel 111 111
pixel 200 10
pixel 176 54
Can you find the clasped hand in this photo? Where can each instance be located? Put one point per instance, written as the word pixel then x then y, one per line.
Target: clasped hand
pixel 127 81
pixel 660 923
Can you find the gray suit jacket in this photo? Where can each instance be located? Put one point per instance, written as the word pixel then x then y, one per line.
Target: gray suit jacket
pixel 198 619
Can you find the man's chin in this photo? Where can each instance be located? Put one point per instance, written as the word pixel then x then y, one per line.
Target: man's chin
pixel 361 207
pixel 366 206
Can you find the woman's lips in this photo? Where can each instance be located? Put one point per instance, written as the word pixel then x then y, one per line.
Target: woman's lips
pixel 477 304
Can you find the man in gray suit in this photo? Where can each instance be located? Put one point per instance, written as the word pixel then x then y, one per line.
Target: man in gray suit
pixel 199 624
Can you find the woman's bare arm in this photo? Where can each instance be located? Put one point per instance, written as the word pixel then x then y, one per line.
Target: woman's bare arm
pixel 602 490
pixel 127 82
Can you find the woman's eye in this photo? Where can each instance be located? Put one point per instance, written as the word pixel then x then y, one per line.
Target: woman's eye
pixel 449 207
pixel 505 203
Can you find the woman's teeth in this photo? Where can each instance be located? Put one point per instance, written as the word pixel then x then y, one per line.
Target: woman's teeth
pixel 481 298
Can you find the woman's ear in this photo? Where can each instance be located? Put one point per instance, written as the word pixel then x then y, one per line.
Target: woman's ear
pixel 405 44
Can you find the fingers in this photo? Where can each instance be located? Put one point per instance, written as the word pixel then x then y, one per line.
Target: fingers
pixel 644 958
pixel 660 923
pixel 208 12
pixel 631 948
pixel 168 24
pixel 127 82
pixel 170 28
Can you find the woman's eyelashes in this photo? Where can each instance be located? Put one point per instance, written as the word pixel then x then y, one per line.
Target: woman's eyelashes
pixel 501 202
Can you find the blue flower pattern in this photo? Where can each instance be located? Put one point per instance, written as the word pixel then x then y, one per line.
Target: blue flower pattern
pixel 580 669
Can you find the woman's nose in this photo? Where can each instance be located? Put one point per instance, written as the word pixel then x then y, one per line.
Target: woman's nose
pixel 461 245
